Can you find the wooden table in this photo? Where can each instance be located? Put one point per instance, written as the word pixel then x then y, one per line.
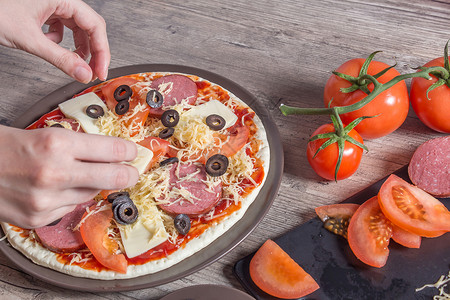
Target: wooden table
pixel 280 51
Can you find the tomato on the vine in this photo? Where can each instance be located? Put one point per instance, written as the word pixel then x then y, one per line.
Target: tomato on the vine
pixel 324 162
pixel 434 110
pixel 390 107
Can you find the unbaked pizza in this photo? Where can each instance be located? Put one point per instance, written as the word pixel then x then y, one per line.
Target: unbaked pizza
pixel 203 157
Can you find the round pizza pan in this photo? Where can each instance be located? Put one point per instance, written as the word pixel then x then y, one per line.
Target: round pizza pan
pixel 200 259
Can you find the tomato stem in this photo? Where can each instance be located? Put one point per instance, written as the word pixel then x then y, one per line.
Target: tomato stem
pixel 378 89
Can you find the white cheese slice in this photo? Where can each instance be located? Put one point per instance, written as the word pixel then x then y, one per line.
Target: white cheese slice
pixel 142 159
pixel 143 235
pixel 76 109
pixel 211 107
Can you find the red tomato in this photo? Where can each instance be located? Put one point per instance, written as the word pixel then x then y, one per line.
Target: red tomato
pixel 109 88
pixel 391 105
pixel 277 274
pixel 413 209
pixel 324 163
pixel 94 231
pixel 369 233
pixel 435 112
pixel 336 217
pixel 158 146
pixel 405 238
pixel 139 117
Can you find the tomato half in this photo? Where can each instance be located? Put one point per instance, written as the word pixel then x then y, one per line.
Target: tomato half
pixel 433 112
pixel 413 209
pixel 391 105
pixel 336 217
pixel 324 163
pixel 94 231
pixel 277 274
pixel 369 233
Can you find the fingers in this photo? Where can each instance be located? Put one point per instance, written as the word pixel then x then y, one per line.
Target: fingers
pixel 98 148
pixel 103 176
pixel 94 26
pixel 55 31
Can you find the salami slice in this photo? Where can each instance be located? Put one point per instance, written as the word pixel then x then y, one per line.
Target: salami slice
pixel 429 168
pixel 175 89
pixel 61 237
pixel 189 193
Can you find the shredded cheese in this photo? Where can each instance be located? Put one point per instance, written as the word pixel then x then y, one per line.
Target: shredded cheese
pixel 441 285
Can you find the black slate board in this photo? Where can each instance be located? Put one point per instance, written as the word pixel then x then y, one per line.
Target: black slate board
pixel 340 275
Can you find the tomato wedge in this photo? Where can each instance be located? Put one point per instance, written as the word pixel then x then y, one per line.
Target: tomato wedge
pixel 412 209
pixel 94 231
pixel 158 146
pixel 336 217
pixel 369 233
pixel 109 88
pixel 139 117
pixel 277 274
pixel 405 238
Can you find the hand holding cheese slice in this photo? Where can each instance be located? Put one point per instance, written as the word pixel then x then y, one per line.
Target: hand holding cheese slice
pixel 76 109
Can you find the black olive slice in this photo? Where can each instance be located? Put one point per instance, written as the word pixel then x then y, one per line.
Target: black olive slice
pixel 216 165
pixel 154 99
pixel 55 222
pixel 122 107
pixel 125 213
pixel 113 196
pixel 215 122
pixel 122 92
pixel 170 160
pixel 94 111
pixel 57 125
pixel 170 118
pixel 166 133
pixel 182 223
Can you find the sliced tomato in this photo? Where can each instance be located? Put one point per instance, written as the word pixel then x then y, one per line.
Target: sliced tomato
pixel 412 209
pixel 405 238
pixel 158 146
pixel 369 233
pixel 336 217
pixel 109 88
pixel 94 231
pixel 277 274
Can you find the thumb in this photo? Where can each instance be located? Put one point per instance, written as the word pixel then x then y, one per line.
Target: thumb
pixel 67 61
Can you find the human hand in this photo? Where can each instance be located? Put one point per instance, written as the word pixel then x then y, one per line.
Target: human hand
pixel 21 24
pixel 45 173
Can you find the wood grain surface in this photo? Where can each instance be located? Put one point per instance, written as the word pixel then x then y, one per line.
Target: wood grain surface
pixel 280 51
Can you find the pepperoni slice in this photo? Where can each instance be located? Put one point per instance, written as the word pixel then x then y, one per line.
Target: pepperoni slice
pixel 187 180
pixel 61 237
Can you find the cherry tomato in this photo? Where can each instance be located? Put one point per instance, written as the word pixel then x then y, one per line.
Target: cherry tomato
pixel 413 209
pixel 336 217
pixel 324 163
pixel 277 274
pixel 391 105
pixel 94 231
pixel 369 233
pixel 435 111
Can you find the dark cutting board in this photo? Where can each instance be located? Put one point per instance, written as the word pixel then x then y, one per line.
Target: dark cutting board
pixel 340 275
